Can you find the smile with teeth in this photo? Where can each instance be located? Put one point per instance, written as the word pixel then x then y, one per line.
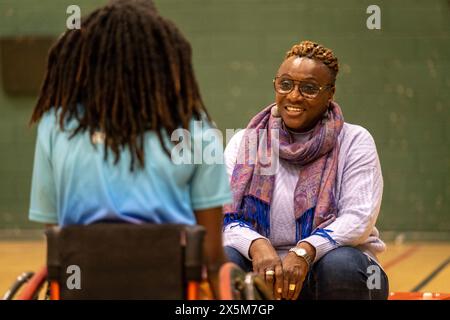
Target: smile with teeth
pixel 294 109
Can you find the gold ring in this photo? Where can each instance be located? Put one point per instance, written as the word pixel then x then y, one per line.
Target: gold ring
pixel 292 287
pixel 270 273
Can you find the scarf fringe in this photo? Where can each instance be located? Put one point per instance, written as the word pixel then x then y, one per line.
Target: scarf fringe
pixel 304 224
pixel 254 214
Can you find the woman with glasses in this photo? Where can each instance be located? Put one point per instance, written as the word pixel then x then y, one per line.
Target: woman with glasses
pixel 308 226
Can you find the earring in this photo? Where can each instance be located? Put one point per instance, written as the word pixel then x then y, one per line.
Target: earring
pixel 325 116
pixel 275 112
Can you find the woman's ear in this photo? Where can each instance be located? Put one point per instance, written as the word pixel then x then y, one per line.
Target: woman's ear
pixel 331 96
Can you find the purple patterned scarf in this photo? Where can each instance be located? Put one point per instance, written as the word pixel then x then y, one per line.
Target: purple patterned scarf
pixel 314 203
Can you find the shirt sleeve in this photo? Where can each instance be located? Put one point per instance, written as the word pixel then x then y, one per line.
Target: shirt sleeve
pixel 43 193
pixel 359 201
pixel 235 236
pixel 209 185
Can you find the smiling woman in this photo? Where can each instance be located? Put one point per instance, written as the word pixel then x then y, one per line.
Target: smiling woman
pixel 309 227
pixel 314 69
pixel 302 108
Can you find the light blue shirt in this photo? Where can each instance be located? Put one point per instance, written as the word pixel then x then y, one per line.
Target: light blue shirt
pixel 73 184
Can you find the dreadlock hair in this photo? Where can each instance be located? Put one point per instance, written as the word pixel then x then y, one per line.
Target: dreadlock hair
pixel 318 52
pixel 145 3
pixel 130 69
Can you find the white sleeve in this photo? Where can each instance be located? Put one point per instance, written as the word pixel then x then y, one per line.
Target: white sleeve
pixel 235 236
pixel 359 201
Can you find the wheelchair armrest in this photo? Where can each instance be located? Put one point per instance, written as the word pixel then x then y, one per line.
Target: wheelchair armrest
pixel 194 252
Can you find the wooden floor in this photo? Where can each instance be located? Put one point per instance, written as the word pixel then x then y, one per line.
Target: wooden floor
pixel 17 257
pixel 407 265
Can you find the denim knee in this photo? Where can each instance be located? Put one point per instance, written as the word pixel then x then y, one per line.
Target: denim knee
pixel 343 274
pixel 343 262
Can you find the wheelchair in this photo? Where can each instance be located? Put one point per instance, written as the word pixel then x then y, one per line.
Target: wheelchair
pixel 117 261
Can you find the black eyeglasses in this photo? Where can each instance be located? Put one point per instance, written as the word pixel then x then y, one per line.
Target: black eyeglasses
pixel 307 89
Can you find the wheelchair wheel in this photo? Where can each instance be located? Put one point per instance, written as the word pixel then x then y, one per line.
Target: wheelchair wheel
pixel 236 284
pixel 34 285
pixel 15 287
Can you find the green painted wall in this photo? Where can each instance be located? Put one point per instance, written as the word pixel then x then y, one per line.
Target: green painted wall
pixel 394 81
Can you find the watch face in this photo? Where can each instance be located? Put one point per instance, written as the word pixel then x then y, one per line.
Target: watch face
pixel 300 252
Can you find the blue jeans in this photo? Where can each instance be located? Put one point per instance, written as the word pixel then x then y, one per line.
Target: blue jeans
pixel 343 273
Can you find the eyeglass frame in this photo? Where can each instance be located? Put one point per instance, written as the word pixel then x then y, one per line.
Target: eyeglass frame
pixel 296 83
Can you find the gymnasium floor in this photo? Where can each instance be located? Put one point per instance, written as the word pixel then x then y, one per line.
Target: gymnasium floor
pixel 408 265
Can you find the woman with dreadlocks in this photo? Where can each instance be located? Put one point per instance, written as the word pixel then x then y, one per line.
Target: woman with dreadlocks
pixel 308 226
pixel 114 92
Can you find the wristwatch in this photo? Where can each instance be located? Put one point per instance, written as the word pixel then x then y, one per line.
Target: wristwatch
pixel 300 252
